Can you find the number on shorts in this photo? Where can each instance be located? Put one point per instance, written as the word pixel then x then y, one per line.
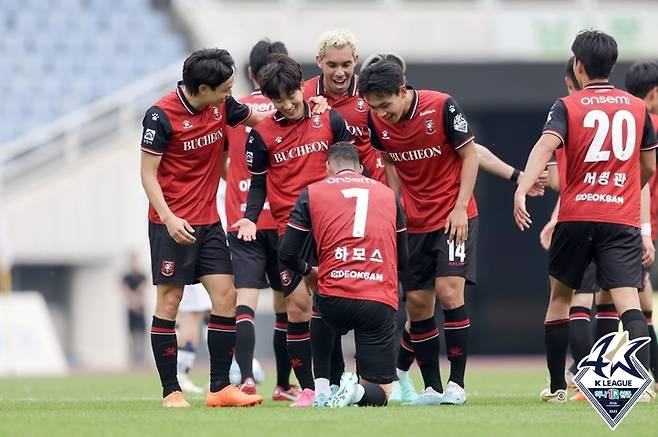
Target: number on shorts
pixel 459 251
pixel 361 210
pixel 622 148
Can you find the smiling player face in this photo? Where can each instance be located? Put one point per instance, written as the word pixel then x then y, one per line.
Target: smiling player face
pixel 390 107
pixel 290 104
pixel 337 67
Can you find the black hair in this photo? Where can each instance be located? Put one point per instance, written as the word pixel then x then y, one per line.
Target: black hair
pixel 261 51
pixel 383 78
pixel 641 78
pixel 571 75
pixel 281 76
pixel 345 152
pixel 211 67
pixel 376 57
pixel 597 51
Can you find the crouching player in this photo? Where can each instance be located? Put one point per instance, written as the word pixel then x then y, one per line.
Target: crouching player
pixel 360 234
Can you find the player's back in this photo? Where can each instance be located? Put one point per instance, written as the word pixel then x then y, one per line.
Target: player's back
pixel 605 130
pixel 355 228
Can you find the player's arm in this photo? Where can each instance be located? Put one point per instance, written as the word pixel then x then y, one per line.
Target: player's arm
pixel 497 167
pixel 546 234
pixel 392 178
pixel 292 242
pixel 258 162
pixel 339 127
pixel 401 237
pixel 553 180
pixel 648 249
pixel 156 133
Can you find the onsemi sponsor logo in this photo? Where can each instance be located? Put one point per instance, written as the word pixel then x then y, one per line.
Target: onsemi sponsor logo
pixel 597 100
pixel 203 141
pixel 415 155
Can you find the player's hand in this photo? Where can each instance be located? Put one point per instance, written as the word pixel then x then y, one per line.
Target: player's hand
pixel 521 215
pixel 546 234
pixel 648 251
pixel 537 189
pixel 457 225
pixel 311 281
pixel 180 230
pixel 246 229
pixel 319 104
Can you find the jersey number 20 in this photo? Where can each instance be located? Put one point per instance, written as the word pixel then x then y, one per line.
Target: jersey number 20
pixel 361 210
pixel 621 147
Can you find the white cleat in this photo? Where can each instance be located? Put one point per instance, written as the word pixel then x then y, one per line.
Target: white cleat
pixel 187 385
pixel 559 397
pixel 453 394
pixel 648 396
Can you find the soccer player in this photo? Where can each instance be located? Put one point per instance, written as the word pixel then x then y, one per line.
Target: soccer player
pixel 426 137
pixel 255 263
pixel 285 153
pixel 182 148
pixel 642 81
pixel 609 144
pixel 358 227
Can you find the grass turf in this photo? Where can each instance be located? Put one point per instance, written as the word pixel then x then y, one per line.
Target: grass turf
pixel 501 402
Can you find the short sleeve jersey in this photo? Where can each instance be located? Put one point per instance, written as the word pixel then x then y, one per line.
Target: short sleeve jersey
pixel 354 220
pixel 355 112
pixel 423 147
pixel 653 186
pixel 293 154
pixel 238 178
pixel 602 130
pixel 191 143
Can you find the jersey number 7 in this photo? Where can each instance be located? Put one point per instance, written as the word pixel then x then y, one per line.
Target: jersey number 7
pixel 361 210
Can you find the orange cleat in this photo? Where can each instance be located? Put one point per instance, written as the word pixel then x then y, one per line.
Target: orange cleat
pixel 175 400
pixel 578 396
pixel 231 396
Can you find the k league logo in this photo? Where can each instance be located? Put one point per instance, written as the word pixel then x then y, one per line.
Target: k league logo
pixel 612 378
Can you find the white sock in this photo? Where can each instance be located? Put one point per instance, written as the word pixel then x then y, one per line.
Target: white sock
pixel 185 361
pixel 402 374
pixel 360 391
pixel 322 387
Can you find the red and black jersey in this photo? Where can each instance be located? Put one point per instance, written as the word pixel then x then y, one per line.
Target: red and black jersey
pixel 293 154
pixel 423 147
pixel 354 220
pixel 355 112
pixel 602 130
pixel 653 186
pixel 238 177
pixel 191 144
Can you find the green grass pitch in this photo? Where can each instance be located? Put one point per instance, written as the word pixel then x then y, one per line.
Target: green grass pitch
pixel 503 401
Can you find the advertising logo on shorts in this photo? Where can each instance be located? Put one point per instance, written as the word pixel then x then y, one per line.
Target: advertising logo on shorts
pixel 285 278
pixel 167 268
pixel 612 378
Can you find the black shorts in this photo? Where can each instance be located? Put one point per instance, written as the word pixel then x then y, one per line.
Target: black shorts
pixel 616 249
pixel 290 280
pixel 589 283
pixel 431 257
pixel 375 333
pixel 255 263
pixel 173 263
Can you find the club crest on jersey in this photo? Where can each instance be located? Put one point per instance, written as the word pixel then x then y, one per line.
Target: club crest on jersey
pixel 216 114
pixel 167 268
pixel 187 124
pixel 361 105
pixel 612 378
pixel 460 124
pixel 429 127
pixel 385 135
pixel 317 121
pixel 285 278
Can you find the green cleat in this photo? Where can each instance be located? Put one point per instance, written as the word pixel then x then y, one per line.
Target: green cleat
pixel 346 394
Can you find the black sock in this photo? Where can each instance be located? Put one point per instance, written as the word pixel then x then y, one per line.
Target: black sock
pixel 299 352
pixel 457 328
pixel 165 352
pixel 245 340
pixel 406 352
pixel 338 362
pixel 323 339
pixel 221 345
pixel 556 340
pixel 636 326
pixel 580 335
pixel 653 346
pixel 425 340
pixel 281 351
pixel 374 395
pixel 607 320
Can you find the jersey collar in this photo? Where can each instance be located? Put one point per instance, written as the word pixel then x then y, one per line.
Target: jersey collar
pixel 599 85
pixel 183 100
pixel 351 90
pixel 414 104
pixel 283 121
pixel 256 92
pixel 345 170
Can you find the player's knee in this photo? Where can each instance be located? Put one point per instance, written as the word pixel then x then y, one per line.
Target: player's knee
pixel 298 308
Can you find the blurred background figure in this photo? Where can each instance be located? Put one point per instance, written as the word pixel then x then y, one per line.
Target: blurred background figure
pixel 133 285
